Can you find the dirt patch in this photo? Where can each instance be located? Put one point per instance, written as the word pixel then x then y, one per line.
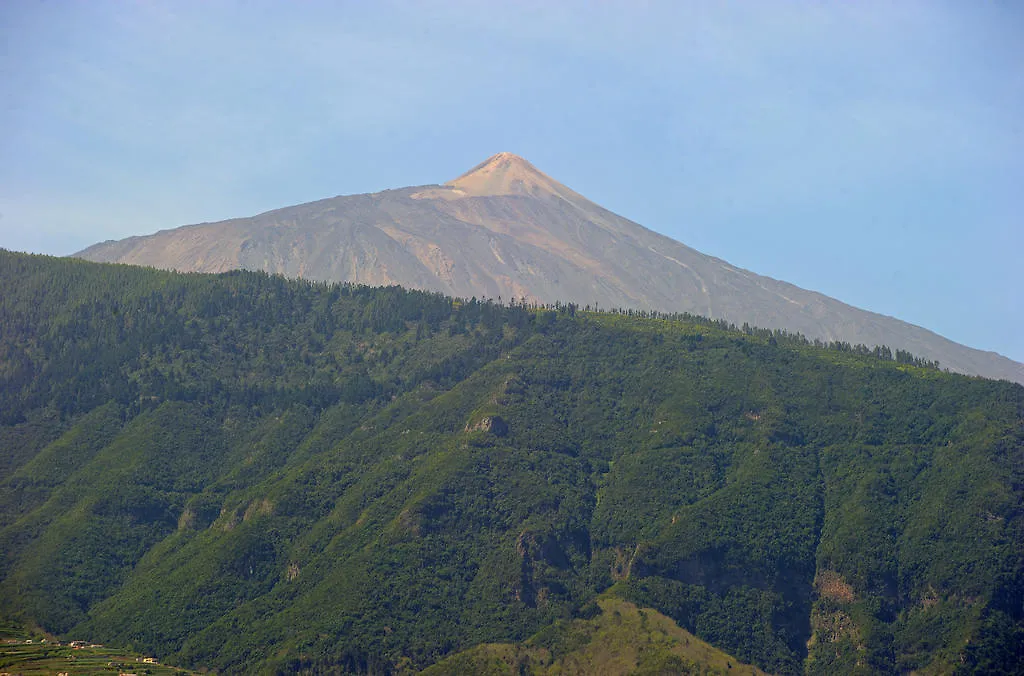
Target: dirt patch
pixel 831 585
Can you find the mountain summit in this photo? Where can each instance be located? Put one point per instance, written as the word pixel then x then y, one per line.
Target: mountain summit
pixel 508 174
pixel 505 229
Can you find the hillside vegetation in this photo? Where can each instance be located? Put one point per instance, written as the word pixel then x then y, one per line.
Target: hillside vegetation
pixel 28 652
pixel 615 637
pixel 247 474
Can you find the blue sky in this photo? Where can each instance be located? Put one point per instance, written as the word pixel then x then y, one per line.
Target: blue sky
pixel 873 151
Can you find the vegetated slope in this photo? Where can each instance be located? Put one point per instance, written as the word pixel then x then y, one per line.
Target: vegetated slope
pixel 505 229
pixel 247 473
pixel 613 637
pixel 28 652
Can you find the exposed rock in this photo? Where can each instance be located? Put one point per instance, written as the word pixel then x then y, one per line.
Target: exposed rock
pixel 494 424
pixel 831 585
pixel 410 521
pixel 258 508
pixel 187 519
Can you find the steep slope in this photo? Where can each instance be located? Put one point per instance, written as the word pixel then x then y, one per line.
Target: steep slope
pixel 319 478
pixel 505 229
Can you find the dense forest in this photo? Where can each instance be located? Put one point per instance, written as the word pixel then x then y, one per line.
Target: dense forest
pixel 247 473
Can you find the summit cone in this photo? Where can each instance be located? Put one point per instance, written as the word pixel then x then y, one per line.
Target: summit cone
pixel 509 174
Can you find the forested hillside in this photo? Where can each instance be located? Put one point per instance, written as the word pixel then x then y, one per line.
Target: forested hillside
pixel 246 473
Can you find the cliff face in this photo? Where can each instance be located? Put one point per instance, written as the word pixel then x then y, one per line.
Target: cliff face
pixel 506 229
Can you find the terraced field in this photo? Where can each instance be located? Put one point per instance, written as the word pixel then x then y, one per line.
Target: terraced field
pixel 46 658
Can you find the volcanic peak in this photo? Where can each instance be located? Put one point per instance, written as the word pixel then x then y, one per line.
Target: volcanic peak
pixel 508 174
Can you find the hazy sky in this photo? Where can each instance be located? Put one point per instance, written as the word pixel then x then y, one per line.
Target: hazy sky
pixel 873 151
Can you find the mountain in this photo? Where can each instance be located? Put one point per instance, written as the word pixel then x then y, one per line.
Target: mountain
pixel 505 229
pixel 250 474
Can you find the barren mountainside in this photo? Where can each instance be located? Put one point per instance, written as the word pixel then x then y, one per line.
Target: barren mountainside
pixel 505 229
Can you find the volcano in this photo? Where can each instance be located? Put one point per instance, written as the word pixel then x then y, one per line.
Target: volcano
pixel 506 230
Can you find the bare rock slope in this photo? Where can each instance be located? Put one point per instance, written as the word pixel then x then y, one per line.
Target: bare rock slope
pixel 505 229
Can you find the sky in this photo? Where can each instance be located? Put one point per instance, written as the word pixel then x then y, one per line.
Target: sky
pixel 872 151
